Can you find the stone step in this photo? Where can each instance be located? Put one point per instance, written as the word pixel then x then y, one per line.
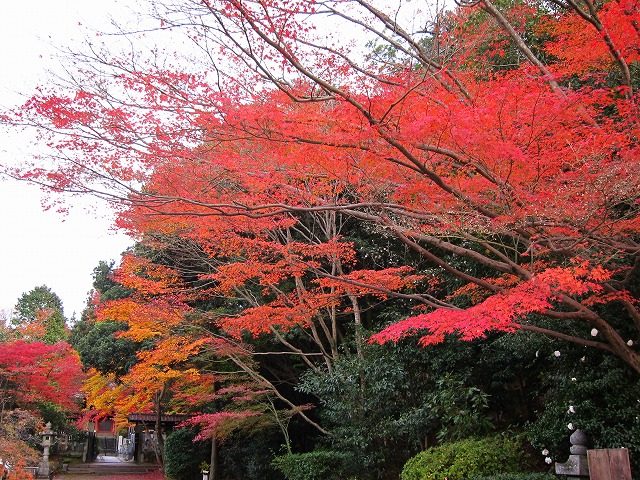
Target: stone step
pixel 114 468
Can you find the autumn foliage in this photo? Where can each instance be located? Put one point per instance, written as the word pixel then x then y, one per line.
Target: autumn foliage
pixel 152 314
pixel 17 472
pixel 519 178
pixel 16 429
pixel 33 373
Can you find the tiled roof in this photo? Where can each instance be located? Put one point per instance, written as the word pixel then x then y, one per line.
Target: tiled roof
pixel 151 417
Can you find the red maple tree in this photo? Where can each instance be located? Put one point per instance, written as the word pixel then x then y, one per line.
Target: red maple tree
pixel 521 181
pixel 33 373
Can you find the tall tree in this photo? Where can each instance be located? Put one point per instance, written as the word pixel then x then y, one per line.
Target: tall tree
pixel 271 279
pixel 98 342
pixel 523 183
pixel 39 315
pixel 163 377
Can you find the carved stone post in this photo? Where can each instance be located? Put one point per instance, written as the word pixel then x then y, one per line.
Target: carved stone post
pixel 577 466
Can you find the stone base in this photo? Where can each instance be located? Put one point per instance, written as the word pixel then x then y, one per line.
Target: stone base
pixel 43 470
pixel 575 467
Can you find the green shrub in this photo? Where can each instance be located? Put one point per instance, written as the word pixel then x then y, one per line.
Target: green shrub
pixel 247 454
pixel 182 457
pixel 517 476
pixel 464 459
pixel 316 465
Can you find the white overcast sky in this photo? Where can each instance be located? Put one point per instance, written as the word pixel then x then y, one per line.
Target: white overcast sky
pixel 38 247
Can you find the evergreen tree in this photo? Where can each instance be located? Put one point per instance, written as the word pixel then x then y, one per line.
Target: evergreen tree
pixel 39 315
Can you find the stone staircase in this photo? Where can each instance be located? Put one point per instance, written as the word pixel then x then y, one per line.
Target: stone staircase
pixel 110 468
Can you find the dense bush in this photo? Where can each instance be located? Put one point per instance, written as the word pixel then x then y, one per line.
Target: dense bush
pixel 463 459
pixel 247 455
pixel 316 465
pixel 384 406
pixel 183 456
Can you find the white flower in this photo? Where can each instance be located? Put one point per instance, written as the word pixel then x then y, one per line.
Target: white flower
pixel 537 353
pixel 557 353
pixel 571 426
pixel 572 409
pixel 583 359
pixel 594 332
pixel 574 379
pixel 548 460
pixel 545 452
pixel 630 343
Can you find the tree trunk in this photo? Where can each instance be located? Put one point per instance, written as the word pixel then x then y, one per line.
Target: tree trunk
pixel 214 469
pixel 159 443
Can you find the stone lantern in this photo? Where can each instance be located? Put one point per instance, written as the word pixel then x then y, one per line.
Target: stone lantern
pixel 48 439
